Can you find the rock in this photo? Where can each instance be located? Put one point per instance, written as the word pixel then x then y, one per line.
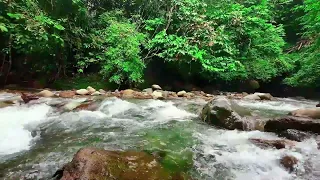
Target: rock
pixel 28 97
pixel 219 112
pixel 91 89
pixel 102 91
pixel 295 135
pixel 264 96
pixel 46 93
pixel 67 94
pixel 278 144
pixel 91 163
pixel 252 97
pixel 259 96
pixel 148 90
pixel 97 93
pixel 318 105
pixel 289 162
pixel 89 106
pixel 156 87
pixel 70 106
pixel 5 104
pixel 165 94
pixel 82 92
pixel 313 113
pixel 182 94
pixel 157 95
pixel 290 122
pixel 128 93
pixel 254 84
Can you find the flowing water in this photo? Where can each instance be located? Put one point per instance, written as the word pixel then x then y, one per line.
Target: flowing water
pixel 36 140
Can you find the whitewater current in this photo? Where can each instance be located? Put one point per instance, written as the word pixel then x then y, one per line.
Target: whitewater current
pixel 35 140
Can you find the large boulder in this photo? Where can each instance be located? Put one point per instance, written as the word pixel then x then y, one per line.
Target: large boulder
pixel 313 113
pixel 46 93
pixel 82 92
pixel 96 164
pixel 279 125
pixel 219 112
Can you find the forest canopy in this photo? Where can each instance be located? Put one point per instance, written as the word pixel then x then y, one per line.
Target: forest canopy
pixel 226 40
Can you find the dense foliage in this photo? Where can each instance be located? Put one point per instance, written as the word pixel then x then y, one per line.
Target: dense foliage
pixel 226 40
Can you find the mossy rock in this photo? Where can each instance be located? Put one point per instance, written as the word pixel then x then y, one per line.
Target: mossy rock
pixel 98 164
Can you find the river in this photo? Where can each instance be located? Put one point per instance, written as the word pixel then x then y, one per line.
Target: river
pixel 36 140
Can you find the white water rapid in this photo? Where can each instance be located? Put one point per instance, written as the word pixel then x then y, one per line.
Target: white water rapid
pixel 35 140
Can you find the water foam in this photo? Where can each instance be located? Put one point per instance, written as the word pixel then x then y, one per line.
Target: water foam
pixel 234 153
pixel 14 136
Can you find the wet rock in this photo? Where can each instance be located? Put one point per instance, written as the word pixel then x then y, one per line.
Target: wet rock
pixel 313 113
pixel 88 106
pixel 91 163
pixel 70 106
pixel 172 94
pixel 295 135
pixel 259 96
pixel 318 105
pixel 67 94
pixel 102 91
pixel 156 87
pixel 278 144
pixel 289 162
pixel 252 97
pixel 219 112
pixel 97 93
pixel 5 104
pixel 46 93
pixel 148 90
pixel 128 93
pixel 91 89
pixel 82 92
pixel 290 122
pixel 28 97
pixel 254 84
pixel 182 94
pixel 157 95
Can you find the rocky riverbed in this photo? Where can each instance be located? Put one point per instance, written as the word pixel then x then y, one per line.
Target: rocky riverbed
pixel 156 134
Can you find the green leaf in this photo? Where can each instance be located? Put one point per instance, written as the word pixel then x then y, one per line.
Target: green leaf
pixel 59 27
pixel 15 16
pixel 3 28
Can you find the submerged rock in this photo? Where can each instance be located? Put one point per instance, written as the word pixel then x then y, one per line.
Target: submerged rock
pixel 290 122
pixel 82 92
pixel 289 162
pixel 313 113
pixel 295 135
pixel 102 91
pixel 278 144
pixel 97 93
pixel 219 112
pixel 46 93
pixel 95 164
pixel 4 104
